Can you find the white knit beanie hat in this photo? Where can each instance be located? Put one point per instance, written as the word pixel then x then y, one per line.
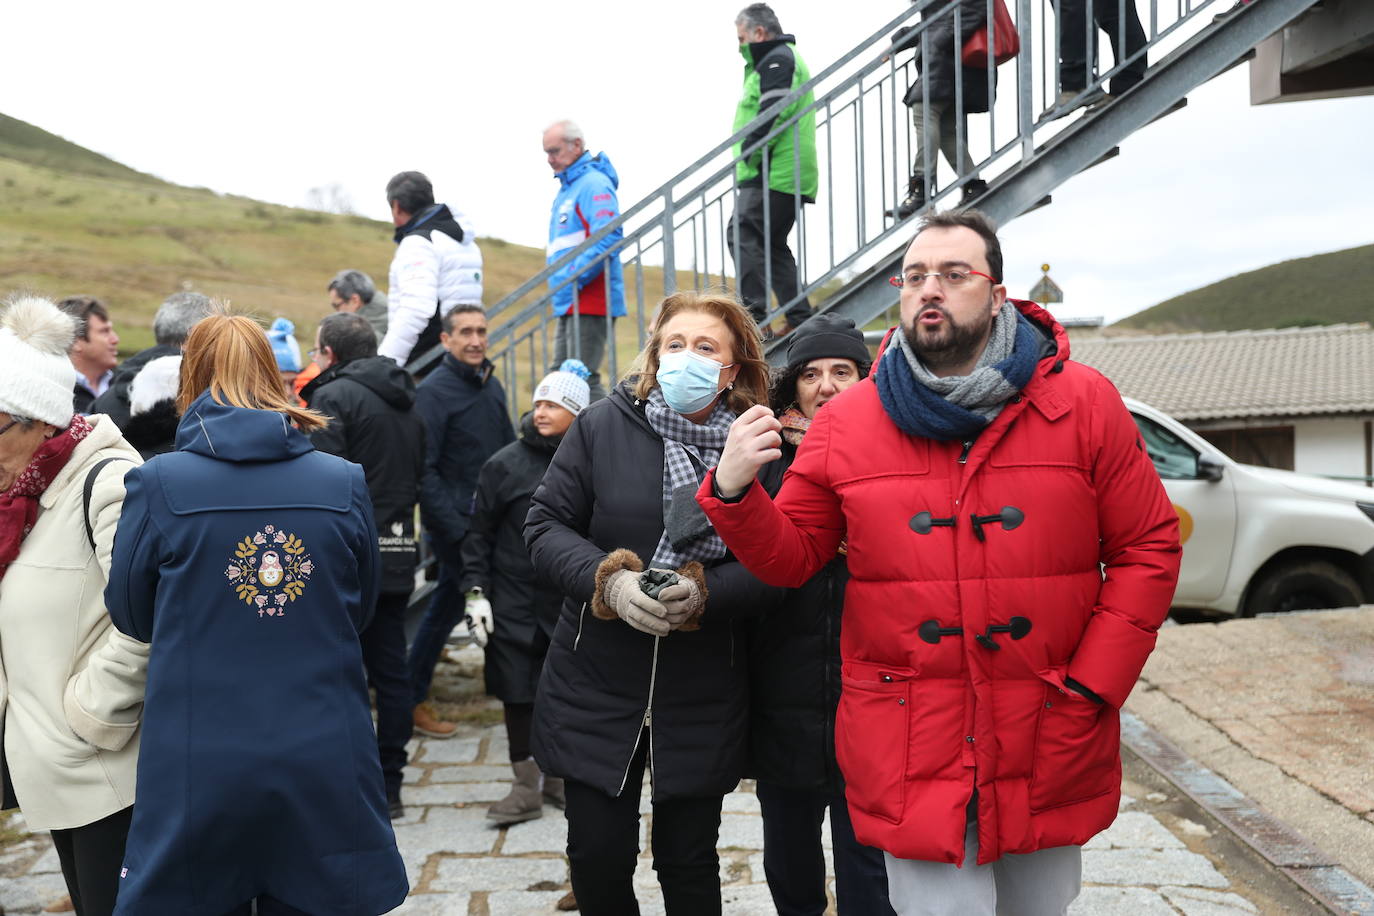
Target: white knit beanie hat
pixel 39 381
pixel 566 387
pixel 157 381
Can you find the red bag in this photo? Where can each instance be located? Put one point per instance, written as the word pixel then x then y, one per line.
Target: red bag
pixel 1007 41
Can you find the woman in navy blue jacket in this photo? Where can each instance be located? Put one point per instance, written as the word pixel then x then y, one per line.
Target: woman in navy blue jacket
pixel 249 561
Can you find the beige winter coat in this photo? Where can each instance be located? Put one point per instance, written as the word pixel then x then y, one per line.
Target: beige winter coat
pixel 71 685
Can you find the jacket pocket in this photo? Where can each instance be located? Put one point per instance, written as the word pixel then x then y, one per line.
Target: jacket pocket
pixel 871 733
pixel 1077 750
pixel 581 619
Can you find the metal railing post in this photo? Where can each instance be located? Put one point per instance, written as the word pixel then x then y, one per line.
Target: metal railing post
pixel 669 259
pixel 1025 99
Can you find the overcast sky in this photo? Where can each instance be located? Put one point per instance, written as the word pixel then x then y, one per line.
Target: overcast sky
pixel 271 99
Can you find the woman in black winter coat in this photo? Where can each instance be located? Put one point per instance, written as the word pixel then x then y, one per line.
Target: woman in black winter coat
pixel 794 671
pixel 632 680
pixel 933 97
pixel 499 583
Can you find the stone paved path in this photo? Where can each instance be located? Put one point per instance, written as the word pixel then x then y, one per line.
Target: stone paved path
pixel 460 866
pixel 1283 708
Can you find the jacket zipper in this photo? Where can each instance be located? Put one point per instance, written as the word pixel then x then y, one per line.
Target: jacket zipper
pixel 581 617
pixel 963 456
pixel 646 724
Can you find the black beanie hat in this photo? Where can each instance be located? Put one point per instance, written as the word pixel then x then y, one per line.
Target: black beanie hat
pixel 827 337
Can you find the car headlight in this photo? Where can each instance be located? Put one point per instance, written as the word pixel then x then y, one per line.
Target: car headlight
pixel 1367 509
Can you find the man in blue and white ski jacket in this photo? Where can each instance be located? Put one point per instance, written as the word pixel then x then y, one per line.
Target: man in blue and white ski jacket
pixel 585 203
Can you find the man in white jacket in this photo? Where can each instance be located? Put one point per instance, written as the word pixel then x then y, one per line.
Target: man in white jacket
pixel 437 266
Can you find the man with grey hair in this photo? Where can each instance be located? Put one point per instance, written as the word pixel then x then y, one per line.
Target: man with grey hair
pixel 774 174
pixel 589 292
pixel 437 268
pixel 354 291
pixel 172 324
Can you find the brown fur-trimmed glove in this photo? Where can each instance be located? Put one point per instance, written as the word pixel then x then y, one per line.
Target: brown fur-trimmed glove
pixel 618 595
pixel 686 599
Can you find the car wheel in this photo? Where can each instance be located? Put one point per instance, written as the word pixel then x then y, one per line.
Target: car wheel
pixel 1302 585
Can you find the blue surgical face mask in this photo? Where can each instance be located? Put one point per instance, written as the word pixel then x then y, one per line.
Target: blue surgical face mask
pixel 690 382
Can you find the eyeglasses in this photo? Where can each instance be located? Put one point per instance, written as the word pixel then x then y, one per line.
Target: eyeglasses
pixel 949 279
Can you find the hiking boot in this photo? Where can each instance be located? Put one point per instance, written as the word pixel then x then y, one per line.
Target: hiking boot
pixel 915 198
pixel 569 902
pixel 524 802
pixel 553 792
pixel 972 191
pixel 1064 103
pixel 428 723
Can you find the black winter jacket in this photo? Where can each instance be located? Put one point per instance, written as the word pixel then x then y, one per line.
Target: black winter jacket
pixel 154 431
pixel 114 403
pixel 945 50
pixel 604 681
pixel 496 560
pixel 794 681
pixel 373 423
pixel 464 409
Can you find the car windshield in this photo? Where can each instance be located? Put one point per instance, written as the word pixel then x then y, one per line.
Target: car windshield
pixel 1174 459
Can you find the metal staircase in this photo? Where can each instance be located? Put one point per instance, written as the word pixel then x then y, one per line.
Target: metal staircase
pixel 844 245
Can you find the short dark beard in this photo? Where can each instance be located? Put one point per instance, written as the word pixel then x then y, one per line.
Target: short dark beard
pixel 963 343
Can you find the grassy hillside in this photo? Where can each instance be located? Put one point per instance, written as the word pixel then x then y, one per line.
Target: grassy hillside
pixel 23 141
pixel 1323 289
pixel 131 243
pixel 72 221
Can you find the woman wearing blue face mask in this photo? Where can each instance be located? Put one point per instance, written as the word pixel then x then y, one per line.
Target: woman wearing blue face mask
pixel 633 680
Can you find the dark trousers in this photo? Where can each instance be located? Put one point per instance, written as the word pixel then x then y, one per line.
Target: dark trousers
pixel 428 339
pixel 603 843
pixel 266 906
pixel 444 612
pixel 519 722
pixel 1077 46
pixel 587 344
pixel 384 657
pixel 91 858
pixel 761 255
pixel 795 864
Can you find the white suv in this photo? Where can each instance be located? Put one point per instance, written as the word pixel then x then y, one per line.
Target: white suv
pixel 1255 539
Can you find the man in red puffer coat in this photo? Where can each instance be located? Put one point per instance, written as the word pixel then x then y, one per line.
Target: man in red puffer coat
pixel 1012 554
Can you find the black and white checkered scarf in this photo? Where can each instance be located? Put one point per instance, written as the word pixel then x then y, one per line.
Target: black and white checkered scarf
pixel 688 450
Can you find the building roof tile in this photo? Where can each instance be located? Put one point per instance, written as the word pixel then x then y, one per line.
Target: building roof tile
pixel 1264 373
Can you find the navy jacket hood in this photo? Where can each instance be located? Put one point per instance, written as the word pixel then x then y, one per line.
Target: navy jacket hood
pixel 228 433
pixel 435 217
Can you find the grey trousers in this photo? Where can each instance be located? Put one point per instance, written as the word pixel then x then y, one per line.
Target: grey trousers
pixel 937 125
pixel 590 347
pixel 1040 883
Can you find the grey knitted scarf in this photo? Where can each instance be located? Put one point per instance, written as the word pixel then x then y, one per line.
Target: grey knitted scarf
pixel 688 450
pixel 984 391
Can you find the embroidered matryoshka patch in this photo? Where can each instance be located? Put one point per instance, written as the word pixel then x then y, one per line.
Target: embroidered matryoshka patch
pixel 269 569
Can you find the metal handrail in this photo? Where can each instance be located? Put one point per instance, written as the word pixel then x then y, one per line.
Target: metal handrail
pixel 681 226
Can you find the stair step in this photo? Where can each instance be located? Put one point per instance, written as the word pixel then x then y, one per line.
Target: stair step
pixel 1109 154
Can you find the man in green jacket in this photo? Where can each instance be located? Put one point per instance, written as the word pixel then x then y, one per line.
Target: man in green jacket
pixel 776 174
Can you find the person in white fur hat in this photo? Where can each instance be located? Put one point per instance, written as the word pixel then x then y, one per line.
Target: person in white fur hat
pixel 71 716
pixel 153 417
pixel 507 613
